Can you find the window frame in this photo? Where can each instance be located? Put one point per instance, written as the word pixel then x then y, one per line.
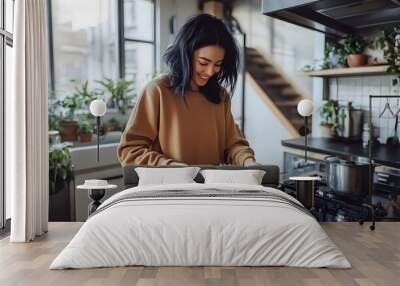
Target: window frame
pixel 120 36
pixel 6 39
pixel 122 39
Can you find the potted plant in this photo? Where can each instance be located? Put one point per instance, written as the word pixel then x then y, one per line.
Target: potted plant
pixel 68 125
pixel 354 48
pixel 60 176
pixel 389 42
pixel 120 92
pixel 54 117
pixel 85 132
pixel 80 99
pixel 334 55
pixel 112 125
pixel 54 114
pixel 329 117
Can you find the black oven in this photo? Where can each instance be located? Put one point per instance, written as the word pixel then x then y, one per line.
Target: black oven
pixel 387 191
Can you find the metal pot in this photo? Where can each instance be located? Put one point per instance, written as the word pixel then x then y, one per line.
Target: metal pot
pixel 350 122
pixel 348 176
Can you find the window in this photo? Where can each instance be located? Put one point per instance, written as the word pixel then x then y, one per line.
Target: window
pixel 84 42
pixel 83 47
pixel 97 40
pixel 6 43
pixel 138 41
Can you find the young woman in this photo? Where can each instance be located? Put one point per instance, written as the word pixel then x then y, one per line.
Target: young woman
pixel 184 117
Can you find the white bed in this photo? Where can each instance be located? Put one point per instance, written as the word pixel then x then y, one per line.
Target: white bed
pixel 185 230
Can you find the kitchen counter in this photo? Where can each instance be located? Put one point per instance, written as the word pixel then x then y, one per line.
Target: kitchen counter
pixel 382 154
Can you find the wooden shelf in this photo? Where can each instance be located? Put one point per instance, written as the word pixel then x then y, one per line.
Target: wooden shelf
pixel 342 72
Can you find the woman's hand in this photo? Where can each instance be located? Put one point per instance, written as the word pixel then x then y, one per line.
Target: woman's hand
pixel 250 162
pixel 177 164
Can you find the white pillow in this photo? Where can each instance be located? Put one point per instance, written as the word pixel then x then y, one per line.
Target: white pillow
pixel 163 176
pixel 248 177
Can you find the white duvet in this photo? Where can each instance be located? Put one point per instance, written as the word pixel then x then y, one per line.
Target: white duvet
pixel 206 231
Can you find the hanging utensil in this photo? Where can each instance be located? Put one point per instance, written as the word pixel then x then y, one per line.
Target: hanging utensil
pixel 394 140
pixel 386 107
pixel 397 113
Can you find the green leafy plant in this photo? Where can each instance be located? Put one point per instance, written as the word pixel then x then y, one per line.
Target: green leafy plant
pixel 114 120
pixel 329 115
pixel 60 167
pixel 85 128
pixel 354 45
pixel 79 100
pixel 54 115
pixel 112 125
pixel 54 120
pixel 120 92
pixel 389 42
pixel 334 55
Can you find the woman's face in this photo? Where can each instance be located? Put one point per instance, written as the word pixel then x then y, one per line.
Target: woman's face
pixel 207 61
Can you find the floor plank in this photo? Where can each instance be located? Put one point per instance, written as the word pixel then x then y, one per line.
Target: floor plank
pixel 375 257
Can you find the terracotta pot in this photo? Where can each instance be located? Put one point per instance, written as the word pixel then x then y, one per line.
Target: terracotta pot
pixel 326 130
pixel 109 127
pixel 85 138
pixel 68 130
pixel 356 60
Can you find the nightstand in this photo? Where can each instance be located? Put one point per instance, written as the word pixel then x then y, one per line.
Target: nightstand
pixel 96 191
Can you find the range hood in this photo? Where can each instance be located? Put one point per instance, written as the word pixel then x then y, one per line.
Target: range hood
pixel 335 17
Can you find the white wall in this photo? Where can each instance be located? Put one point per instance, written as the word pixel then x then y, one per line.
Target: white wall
pixel 289 46
pixel 263 130
pixel 182 9
pixel 257 26
pixel 318 86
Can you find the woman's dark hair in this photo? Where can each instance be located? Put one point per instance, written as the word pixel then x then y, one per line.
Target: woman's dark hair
pixel 198 32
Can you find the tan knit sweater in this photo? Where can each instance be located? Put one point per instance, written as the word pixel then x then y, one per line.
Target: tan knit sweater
pixel 163 129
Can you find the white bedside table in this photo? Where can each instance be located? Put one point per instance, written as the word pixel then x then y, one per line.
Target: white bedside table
pixel 96 191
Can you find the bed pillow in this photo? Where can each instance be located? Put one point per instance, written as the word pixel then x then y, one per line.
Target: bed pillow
pixel 248 177
pixel 163 176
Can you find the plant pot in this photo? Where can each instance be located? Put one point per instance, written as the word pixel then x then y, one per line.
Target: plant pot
pixel 85 138
pixel 326 131
pixel 54 136
pixel 68 130
pixel 109 127
pixel 356 60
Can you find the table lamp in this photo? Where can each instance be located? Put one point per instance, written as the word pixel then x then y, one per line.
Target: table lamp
pixel 305 184
pixel 305 108
pixel 98 108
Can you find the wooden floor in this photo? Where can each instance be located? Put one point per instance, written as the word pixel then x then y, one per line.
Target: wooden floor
pixel 375 256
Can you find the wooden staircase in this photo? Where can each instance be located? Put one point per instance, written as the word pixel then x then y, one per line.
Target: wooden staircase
pixel 280 92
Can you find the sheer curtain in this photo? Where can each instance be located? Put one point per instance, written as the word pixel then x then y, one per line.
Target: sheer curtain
pixel 26 123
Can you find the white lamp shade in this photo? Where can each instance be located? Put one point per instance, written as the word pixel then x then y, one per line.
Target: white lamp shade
pixel 98 107
pixel 305 107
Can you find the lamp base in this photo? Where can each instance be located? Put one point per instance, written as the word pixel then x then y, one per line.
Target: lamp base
pixel 305 193
pixel 96 195
pixel 305 190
